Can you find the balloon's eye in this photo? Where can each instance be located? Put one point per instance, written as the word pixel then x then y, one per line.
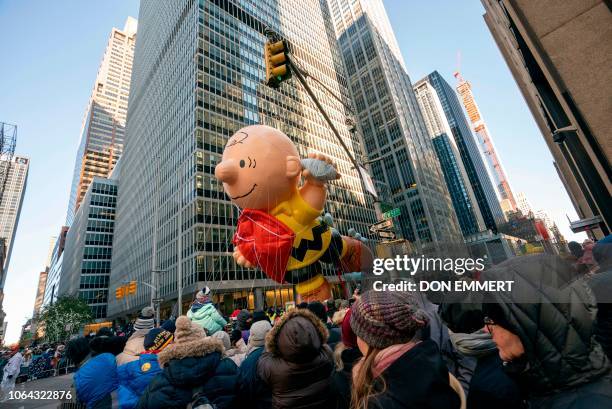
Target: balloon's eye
pixel 242 163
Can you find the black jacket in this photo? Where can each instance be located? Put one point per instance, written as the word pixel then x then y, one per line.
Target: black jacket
pixel 189 366
pixel 342 379
pixel 298 364
pixel 553 314
pixel 418 379
pixel 601 284
pixel 252 391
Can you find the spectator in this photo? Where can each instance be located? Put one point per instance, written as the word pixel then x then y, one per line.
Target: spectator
pixel 135 376
pixel 251 388
pixel 235 355
pixel 298 364
pixel 243 323
pixel 105 341
pixel 330 306
pixel 135 343
pixel 318 309
pixel 204 313
pixel 398 369
pixel 543 330
pixel 601 284
pixel 96 379
pixel 192 365
pixel 345 356
pixel 10 373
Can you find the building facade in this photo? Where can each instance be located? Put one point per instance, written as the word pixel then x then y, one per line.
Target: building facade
pixel 559 54
pixel 182 111
pixel 523 204
pixel 86 264
pixel 55 267
pixel 103 129
pixel 40 292
pixel 393 130
pixel 455 175
pixel 10 205
pixel 15 174
pixel 483 188
pixel 486 146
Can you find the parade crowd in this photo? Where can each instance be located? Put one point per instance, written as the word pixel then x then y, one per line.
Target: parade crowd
pixel 382 350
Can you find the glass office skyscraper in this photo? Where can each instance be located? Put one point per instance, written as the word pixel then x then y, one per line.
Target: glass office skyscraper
pixel 468 149
pixel 392 124
pixel 86 264
pixel 462 194
pixel 199 77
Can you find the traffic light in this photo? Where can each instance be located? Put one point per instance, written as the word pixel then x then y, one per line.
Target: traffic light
pixel 119 293
pixel 132 287
pixel 277 68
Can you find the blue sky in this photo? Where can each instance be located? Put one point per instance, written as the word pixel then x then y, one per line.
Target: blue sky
pixel 51 52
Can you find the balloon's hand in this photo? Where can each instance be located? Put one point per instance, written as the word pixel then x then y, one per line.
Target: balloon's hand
pixel 241 260
pixel 319 168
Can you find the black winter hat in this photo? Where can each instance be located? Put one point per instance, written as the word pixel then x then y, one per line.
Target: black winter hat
pixel 259 316
pixel 318 309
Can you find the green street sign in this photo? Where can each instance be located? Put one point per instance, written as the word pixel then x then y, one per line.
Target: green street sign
pixel 392 213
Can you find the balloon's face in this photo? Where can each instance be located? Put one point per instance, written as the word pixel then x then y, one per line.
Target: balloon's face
pixel 260 167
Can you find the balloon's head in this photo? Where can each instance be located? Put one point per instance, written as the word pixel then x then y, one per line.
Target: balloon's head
pixel 260 167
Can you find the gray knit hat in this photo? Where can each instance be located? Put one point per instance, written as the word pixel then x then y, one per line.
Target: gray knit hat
pixel 145 320
pixel 257 334
pixel 385 318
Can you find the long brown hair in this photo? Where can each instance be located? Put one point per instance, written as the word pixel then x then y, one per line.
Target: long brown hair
pixel 363 380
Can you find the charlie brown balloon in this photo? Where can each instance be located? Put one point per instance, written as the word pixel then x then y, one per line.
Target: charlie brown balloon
pixel 280 229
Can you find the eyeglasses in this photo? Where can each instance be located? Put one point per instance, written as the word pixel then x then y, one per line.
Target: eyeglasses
pixel 489 324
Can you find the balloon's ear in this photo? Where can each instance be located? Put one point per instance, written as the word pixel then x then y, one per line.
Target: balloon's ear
pixel 294 166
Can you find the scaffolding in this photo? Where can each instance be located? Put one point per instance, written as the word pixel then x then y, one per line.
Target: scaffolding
pixel 8 139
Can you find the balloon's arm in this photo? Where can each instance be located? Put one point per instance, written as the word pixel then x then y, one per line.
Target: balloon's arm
pixel 317 169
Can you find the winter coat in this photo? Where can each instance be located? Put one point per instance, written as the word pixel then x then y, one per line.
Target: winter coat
pixel 491 387
pixel 601 284
pixel 96 379
pixel 133 347
pixel 342 379
pixel 186 367
pixel 335 335
pixel 298 364
pixel 134 377
pixel 252 390
pixel 207 317
pixel 554 319
pixel 417 379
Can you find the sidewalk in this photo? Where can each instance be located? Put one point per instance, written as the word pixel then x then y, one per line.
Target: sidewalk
pixel 56 383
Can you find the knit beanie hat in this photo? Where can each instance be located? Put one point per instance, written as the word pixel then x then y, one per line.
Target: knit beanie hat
pixel 318 309
pixel 259 316
pixel 157 339
pixel 169 325
pixel 348 336
pixel 203 294
pixel 224 338
pixel 257 335
pixel 384 318
pixel 145 320
pixel 187 331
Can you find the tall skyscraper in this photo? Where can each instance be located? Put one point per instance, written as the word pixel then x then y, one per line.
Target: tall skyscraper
pixel 392 125
pixel 40 292
pixel 198 77
pixel 14 172
pixel 55 268
pixel 88 249
pixel 485 144
pixel 10 206
pixel 457 181
pixel 486 197
pixel 103 129
pixel 523 204
pixel 559 54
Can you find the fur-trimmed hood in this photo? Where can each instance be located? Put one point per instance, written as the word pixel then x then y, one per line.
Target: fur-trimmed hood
pixel 181 350
pixel 297 337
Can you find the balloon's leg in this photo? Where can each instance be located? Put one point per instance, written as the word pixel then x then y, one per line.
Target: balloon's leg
pixel 356 256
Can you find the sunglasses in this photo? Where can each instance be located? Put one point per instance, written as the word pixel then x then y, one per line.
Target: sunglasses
pixel 489 323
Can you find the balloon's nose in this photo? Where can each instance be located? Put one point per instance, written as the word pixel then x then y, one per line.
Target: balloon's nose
pixel 227 171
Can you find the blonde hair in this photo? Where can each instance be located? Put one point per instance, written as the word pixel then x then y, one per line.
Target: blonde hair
pixel 363 381
pixel 340 347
